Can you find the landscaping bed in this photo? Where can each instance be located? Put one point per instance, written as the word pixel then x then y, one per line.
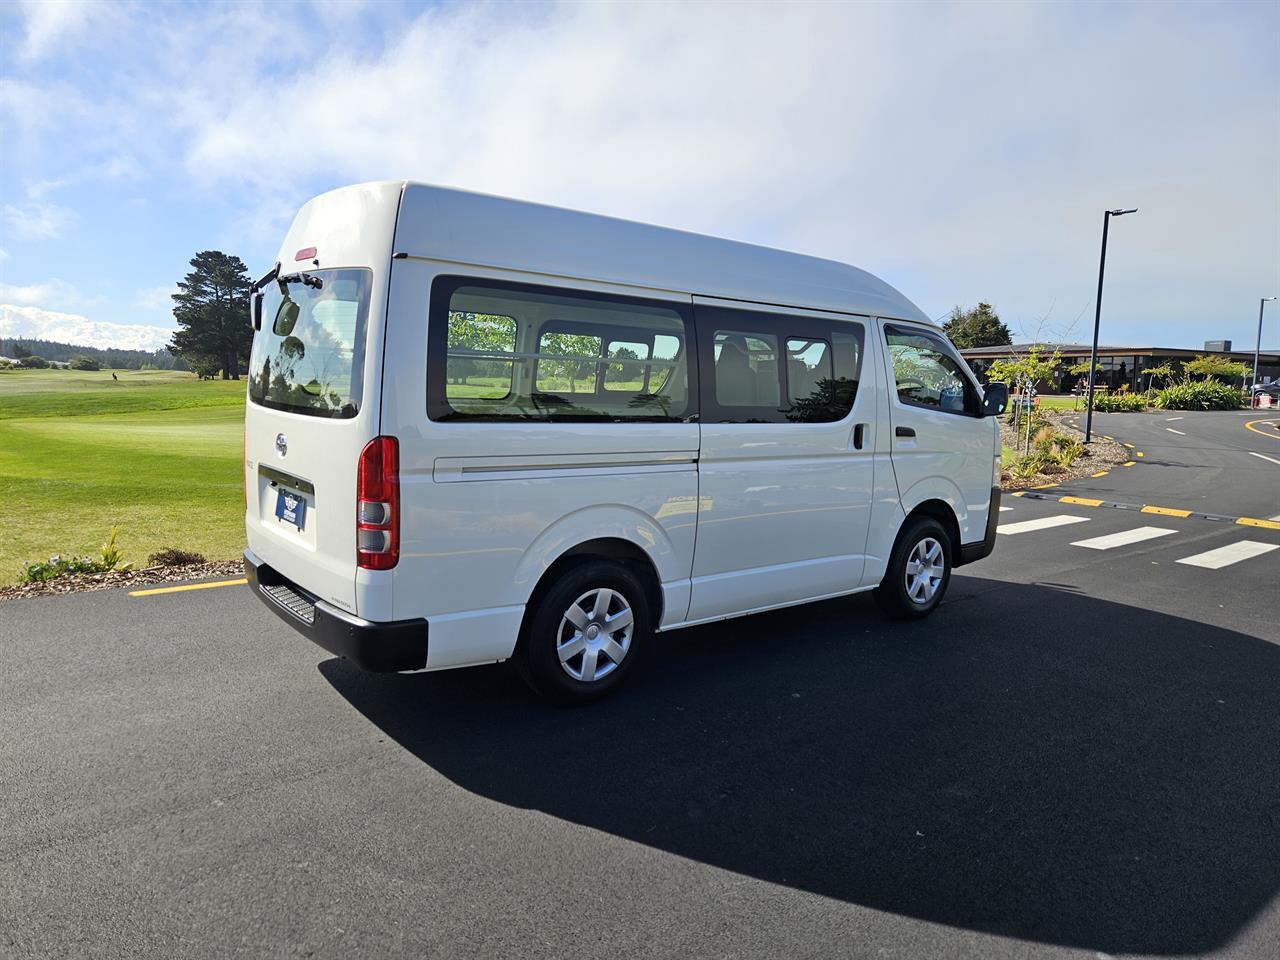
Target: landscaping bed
pixel 114 579
pixel 1053 430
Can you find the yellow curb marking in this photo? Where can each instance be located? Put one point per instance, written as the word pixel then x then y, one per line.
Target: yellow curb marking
pixel 1139 453
pixel 1250 426
pixel 1083 501
pixel 1129 445
pixel 1018 493
pixel 1105 437
pixel 1129 463
pixel 1265 524
pixel 1100 473
pixel 196 586
pixel 1045 486
pixel 1167 511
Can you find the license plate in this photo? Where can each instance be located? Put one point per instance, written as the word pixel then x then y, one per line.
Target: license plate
pixel 291 507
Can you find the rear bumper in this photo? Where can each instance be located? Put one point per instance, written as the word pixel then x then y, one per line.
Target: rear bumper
pixel 377 647
pixel 970 552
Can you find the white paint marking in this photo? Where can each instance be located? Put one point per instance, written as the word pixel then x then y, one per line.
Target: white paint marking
pixel 1255 453
pixel 1276 518
pixel 1043 523
pixel 1232 553
pixel 1171 419
pixel 1003 509
pixel 1124 538
pixel 1178 432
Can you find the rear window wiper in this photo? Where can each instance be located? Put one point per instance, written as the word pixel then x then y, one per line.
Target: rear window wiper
pixel 303 278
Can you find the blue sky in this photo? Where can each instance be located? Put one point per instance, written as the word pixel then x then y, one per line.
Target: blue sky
pixel 963 152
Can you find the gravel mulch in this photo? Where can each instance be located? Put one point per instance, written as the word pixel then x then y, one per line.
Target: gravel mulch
pixel 1101 454
pixel 114 579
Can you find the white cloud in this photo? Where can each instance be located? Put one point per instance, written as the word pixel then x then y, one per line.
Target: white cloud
pixel 57 292
pixel 35 323
pixel 54 24
pixel 4 254
pixel 37 220
pixel 156 298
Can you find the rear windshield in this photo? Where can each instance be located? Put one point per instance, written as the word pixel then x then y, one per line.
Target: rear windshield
pixel 309 355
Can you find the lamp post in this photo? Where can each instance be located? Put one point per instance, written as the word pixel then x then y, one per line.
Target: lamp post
pixel 1257 348
pixel 1097 320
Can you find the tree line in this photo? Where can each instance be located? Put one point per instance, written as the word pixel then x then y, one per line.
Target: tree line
pixel 110 358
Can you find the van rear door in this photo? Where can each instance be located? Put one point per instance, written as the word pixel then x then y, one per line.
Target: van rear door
pixel 304 430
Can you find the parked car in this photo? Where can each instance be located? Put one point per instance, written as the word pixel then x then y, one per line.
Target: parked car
pixel 479 429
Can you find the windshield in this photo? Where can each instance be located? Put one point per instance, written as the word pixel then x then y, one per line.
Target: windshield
pixel 309 355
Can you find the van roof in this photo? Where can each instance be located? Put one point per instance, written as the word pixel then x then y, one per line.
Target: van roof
pixel 479 229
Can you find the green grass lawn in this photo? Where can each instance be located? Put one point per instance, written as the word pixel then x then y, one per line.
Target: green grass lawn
pixel 155 454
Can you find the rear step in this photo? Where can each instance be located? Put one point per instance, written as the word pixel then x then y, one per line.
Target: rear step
pixel 379 647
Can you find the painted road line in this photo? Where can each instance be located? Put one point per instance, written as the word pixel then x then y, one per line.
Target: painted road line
pixel 1275 519
pixel 1129 463
pixel 1273 434
pixel 1232 553
pixel 1263 456
pixel 1003 509
pixel 1171 419
pixel 1124 538
pixel 1041 523
pixel 1083 501
pixel 1139 453
pixel 1129 445
pixel 1167 511
pixel 1100 473
pixel 1254 522
pixel 188 586
pixel 1180 433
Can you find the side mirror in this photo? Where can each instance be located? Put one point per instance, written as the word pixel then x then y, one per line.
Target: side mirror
pixel 286 317
pixel 255 311
pixel 995 399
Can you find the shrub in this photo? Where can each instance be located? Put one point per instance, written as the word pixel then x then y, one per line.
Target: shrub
pixel 1119 402
pixel 1199 395
pixel 108 558
pixel 33 362
pixel 83 363
pixel 174 557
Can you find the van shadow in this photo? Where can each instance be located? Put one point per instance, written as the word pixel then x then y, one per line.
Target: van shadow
pixel 1104 777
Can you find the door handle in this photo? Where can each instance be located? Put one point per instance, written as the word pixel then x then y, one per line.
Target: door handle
pixel 858 431
pixel 903 432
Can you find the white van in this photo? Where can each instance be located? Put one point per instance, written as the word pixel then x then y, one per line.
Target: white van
pixel 479 429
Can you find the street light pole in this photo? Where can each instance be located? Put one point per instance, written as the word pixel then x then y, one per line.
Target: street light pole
pixel 1257 347
pixel 1097 320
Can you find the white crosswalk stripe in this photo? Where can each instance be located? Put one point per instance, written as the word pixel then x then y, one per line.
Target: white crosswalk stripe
pixel 1232 553
pixel 1123 538
pixel 1041 523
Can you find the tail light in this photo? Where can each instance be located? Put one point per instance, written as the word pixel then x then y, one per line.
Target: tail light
pixel 378 505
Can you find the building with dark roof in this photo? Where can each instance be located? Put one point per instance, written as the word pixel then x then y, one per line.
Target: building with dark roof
pixel 1119 365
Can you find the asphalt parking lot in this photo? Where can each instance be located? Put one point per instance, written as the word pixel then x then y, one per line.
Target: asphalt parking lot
pixel 1076 757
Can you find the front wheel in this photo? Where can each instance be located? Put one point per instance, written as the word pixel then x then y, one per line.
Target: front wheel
pixel 582 634
pixel 918 573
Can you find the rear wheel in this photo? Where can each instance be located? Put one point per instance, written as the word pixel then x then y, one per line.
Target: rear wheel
pixel 582 634
pixel 919 571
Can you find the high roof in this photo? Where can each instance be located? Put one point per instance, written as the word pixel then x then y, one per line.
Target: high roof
pixel 445 224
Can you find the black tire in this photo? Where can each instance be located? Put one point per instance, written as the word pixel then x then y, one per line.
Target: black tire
pixel 547 629
pixel 893 594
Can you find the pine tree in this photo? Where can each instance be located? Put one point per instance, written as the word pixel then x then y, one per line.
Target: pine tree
pixel 979 327
pixel 212 311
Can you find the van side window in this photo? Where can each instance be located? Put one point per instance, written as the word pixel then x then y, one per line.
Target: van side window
pixel 777 368
pixel 508 351
pixel 478 344
pixel 927 375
